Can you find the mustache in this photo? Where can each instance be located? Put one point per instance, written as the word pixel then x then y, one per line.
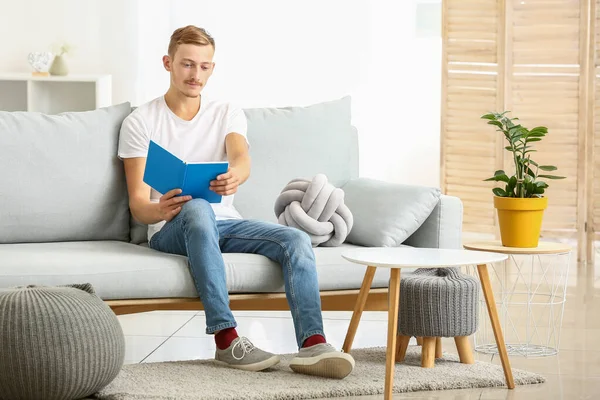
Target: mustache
pixel 194 82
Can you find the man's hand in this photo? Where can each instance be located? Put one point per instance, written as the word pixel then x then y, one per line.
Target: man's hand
pixel 226 183
pixel 169 205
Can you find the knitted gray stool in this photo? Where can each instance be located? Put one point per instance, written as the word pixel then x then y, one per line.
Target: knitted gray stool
pixel 57 343
pixel 436 303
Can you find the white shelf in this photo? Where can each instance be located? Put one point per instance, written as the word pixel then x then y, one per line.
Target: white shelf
pixel 54 94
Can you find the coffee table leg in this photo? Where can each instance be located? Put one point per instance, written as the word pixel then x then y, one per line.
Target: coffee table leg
pixel 390 356
pixel 359 307
pixel 486 286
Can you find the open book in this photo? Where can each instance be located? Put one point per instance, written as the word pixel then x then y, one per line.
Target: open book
pixel 164 172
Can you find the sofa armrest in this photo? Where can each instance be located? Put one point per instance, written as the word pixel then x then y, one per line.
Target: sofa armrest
pixel 443 228
pixel 386 214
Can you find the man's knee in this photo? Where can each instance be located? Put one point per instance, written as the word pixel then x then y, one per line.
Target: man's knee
pixel 295 238
pixel 197 210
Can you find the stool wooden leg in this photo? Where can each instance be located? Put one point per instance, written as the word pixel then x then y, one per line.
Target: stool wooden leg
pixel 428 352
pixel 419 341
pixel 464 349
pixel 401 346
pixel 438 347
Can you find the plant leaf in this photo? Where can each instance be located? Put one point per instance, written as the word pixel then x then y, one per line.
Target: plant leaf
pixel 494 122
pixel 498 178
pixel 516 129
pixel 499 192
pixel 515 138
pixel 536 135
pixel 551 177
pixel 535 139
pixel 539 129
pixel 548 168
pixel 502 178
pixel 510 188
pixel 488 116
pixel 530 189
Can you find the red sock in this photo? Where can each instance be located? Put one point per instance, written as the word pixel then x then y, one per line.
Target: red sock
pixel 314 339
pixel 224 338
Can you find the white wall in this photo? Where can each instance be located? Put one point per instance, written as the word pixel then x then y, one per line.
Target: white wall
pixel 269 53
pixel 103 33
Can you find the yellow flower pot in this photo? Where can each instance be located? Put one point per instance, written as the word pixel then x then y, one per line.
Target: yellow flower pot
pixel 520 220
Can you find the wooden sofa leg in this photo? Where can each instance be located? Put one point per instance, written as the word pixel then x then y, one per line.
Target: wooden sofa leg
pixel 419 340
pixel 465 353
pixel 401 346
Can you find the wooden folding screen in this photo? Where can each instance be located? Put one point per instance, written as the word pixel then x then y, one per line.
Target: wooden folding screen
pixel 532 57
pixel 593 144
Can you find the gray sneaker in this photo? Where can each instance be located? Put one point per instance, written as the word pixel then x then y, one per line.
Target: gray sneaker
pixel 322 360
pixel 242 354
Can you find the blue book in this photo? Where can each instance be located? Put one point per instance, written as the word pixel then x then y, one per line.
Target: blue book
pixel 164 172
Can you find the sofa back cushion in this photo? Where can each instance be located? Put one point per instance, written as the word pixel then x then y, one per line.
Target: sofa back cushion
pixel 385 213
pixel 61 178
pixel 296 142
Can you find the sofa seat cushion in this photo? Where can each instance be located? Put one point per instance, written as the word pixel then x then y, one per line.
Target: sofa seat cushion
pixel 120 270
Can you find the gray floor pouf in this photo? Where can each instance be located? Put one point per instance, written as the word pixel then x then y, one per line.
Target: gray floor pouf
pixel 57 343
pixel 438 302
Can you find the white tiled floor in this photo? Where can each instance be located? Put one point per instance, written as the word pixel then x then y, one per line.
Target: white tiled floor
pixel 573 374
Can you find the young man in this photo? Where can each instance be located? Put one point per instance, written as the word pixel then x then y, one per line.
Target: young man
pixel 197 129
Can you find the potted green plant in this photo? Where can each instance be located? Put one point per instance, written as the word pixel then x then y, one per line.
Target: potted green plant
pixel 521 203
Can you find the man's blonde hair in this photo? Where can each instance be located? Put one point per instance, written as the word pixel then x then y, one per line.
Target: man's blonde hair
pixel 189 35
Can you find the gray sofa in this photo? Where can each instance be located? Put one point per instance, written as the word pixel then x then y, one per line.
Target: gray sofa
pixel 65 219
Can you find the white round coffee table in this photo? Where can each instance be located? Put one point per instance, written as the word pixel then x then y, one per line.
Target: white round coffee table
pixel 396 258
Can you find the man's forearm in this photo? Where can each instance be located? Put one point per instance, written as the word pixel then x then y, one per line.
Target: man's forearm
pixel 242 166
pixel 146 212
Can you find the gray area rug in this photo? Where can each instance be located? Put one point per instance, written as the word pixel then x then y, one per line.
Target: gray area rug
pixel 203 379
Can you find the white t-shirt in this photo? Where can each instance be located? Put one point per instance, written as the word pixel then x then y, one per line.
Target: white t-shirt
pixel 199 140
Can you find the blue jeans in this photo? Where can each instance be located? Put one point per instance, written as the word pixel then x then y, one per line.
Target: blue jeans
pixel 196 233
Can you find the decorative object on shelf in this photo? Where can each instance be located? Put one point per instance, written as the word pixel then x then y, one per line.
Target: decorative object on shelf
pixel 40 62
pixel 59 66
pixel 521 203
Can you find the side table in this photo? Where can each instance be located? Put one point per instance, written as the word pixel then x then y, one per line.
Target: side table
pixel 396 258
pixel 531 292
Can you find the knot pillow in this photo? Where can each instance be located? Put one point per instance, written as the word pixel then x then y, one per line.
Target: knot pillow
pixel 317 208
